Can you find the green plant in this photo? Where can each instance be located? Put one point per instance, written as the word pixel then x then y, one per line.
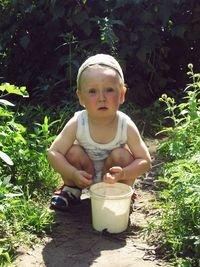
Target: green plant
pixel 180 218
pixel 179 221
pixel 24 153
pixel 7 124
pixel 19 215
pixel 153 41
pixel 23 169
pixel 184 134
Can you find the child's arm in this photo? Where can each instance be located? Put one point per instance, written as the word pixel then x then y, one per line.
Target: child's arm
pixel 57 159
pixel 142 158
pixel 140 164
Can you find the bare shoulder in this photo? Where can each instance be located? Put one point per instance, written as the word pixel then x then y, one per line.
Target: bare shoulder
pixel 135 142
pixel 71 125
pixel 66 137
pixel 132 130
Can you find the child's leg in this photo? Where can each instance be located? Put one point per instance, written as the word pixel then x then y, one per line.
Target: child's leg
pixel 69 194
pixel 119 157
pixel 78 158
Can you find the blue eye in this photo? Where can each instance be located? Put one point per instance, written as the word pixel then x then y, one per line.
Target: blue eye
pixel 109 90
pixel 92 91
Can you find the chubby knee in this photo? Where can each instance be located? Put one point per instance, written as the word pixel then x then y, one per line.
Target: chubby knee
pixel 121 156
pixel 77 156
pixel 75 152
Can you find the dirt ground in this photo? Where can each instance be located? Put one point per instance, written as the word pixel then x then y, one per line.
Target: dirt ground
pixel 74 243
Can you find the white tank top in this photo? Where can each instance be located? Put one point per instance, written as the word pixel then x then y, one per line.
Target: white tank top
pixel 99 152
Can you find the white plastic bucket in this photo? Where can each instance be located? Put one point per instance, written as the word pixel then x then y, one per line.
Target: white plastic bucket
pixel 110 206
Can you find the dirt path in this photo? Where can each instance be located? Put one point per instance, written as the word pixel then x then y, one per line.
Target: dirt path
pixel 73 242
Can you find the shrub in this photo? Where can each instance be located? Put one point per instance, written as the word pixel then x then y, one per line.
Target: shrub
pixel 44 42
pixel 179 220
pixel 184 134
pixel 19 212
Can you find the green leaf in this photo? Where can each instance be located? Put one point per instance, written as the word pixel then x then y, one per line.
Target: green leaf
pixel 13 195
pixel 6 158
pixel 6 103
pixel 12 89
pixel 20 127
pixel 7 256
pixel 46 120
pixel 19 138
pixel 51 139
pixel 2 88
pixel 6 180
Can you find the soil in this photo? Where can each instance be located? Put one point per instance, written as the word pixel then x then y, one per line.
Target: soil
pixel 74 243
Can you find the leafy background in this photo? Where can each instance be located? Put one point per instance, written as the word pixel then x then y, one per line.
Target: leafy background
pixel 42 44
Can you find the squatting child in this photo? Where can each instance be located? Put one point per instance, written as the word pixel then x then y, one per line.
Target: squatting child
pixel 99 143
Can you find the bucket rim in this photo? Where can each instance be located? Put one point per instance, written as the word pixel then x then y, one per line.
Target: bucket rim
pixel 98 195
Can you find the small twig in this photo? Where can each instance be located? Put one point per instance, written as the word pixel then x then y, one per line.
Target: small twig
pixel 161 163
pixel 146 183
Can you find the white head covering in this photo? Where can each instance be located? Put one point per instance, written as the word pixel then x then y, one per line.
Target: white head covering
pixel 101 59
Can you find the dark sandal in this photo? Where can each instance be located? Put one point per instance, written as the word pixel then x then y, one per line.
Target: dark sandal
pixel 62 200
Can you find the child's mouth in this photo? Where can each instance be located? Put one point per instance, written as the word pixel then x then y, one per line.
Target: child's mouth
pixel 102 108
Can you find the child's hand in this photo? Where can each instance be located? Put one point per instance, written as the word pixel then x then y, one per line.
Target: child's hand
pixel 114 175
pixel 82 179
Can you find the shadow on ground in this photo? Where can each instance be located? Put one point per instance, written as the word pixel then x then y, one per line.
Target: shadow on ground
pixel 75 243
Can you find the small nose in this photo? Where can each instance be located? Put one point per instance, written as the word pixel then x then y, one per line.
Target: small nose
pixel 101 96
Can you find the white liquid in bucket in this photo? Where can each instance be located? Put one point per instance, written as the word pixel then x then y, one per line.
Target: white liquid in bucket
pixel 110 206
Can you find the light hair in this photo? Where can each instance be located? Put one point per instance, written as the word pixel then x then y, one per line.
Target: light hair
pixel 102 60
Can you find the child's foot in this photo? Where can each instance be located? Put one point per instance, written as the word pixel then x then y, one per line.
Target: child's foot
pixel 65 197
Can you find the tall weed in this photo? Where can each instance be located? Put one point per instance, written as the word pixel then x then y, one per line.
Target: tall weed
pixel 179 221
pixel 184 134
pixel 23 168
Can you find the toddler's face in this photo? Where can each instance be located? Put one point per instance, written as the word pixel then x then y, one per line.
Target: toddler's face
pixel 101 91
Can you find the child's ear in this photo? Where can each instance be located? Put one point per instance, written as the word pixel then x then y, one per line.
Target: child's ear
pixel 122 96
pixel 78 93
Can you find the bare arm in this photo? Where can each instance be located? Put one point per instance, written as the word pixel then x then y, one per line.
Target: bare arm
pixel 57 159
pixel 59 148
pixel 142 159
